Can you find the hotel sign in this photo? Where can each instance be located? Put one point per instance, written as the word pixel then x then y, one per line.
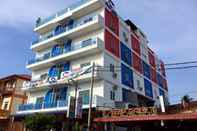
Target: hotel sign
pixel 131 112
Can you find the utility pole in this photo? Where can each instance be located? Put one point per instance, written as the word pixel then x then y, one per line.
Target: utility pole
pixel 91 95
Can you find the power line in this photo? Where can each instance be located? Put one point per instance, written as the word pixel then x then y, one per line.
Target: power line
pixel 183 67
pixel 106 68
pixel 181 63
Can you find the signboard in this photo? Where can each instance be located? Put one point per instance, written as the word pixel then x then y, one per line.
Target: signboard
pixel 131 112
pixel 78 109
pixel 66 75
pixel 75 72
pixel 71 107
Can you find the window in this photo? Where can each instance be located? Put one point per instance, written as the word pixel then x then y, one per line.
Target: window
pixel 87 42
pixel 111 68
pixel 138 83
pixel 126 39
pixel 125 95
pixel 112 95
pixel 5 106
pixel 85 96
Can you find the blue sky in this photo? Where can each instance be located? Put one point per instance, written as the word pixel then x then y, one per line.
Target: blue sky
pixel 171 27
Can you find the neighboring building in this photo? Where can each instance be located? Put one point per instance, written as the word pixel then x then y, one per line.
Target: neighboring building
pixel 176 117
pixel 11 96
pixel 128 72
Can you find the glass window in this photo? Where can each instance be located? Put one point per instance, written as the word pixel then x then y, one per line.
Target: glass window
pixel 85 96
pixel 5 107
pixel 112 95
pixel 125 96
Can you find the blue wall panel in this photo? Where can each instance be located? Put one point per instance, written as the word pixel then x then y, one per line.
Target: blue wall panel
pixel 127 76
pixel 160 80
pixel 148 88
pixel 126 54
pixel 146 69
pixel 161 92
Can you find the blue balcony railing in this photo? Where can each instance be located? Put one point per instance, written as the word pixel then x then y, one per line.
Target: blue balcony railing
pixel 73 47
pixel 39 106
pixel 40 21
pixel 65 29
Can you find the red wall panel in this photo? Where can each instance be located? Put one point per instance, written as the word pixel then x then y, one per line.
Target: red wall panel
pixel 112 44
pixel 153 75
pixel 135 44
pixel 151 58
pixel 137 63
pixel 112 21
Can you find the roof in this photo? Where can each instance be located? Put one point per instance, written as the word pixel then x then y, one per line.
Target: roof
pixel 20 76
pixel 138 118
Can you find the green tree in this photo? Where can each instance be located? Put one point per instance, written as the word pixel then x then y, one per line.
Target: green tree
pixel 40 122
pixel 186 100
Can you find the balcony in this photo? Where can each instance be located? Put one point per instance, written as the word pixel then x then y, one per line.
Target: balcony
pixel 4 114
pixel 70 32
pixel 78 9
pixel 76 50
pixel 60 106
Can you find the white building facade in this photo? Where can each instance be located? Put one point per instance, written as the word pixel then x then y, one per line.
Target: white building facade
pixel 127 73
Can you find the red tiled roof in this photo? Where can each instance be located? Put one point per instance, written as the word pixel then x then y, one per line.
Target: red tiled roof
pixel 138 118
pixel 21 76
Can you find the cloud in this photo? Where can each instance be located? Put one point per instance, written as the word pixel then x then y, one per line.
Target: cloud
pixel 25 12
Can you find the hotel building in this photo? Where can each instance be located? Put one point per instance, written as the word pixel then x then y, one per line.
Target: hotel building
pixel 128 73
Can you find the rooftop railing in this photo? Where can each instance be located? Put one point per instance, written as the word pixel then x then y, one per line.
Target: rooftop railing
pixel 41 21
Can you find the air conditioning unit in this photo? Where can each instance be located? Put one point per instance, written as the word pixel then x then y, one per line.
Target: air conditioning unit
pixel 115 87
pixel 114 75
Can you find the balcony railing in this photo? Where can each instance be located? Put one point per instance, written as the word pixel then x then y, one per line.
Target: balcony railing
pixel 65 29
pixel 73 47
pixel 40 106
pixel 98 101
pixel 60 13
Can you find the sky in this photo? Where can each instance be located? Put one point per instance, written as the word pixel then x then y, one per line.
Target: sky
pixel 170 25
